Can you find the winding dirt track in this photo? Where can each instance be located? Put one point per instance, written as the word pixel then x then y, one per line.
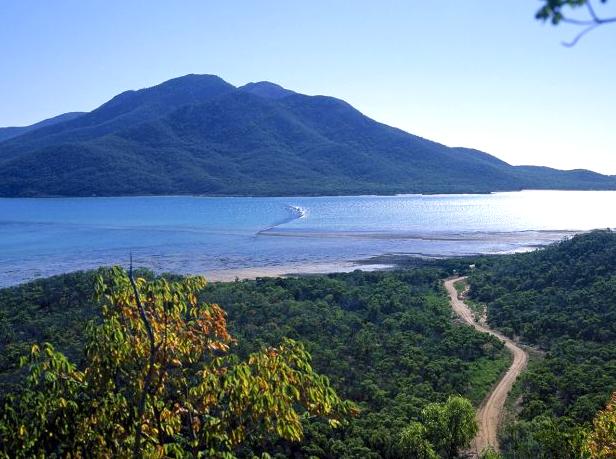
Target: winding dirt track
pixel 491 409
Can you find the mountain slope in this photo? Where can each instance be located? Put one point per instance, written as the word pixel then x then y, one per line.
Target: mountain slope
pixel 200 135
pixel 267 90
pixel 15 131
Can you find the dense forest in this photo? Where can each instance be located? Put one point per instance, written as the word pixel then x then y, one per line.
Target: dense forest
pixel 562 301
pixel 386 342
pixel 388 345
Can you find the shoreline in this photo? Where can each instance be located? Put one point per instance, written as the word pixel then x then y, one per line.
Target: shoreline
pixel 309 269
pixel 295 196
pixel 381 262
pixel 251 273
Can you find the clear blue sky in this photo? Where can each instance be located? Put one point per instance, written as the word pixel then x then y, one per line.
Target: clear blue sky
pixel 474 73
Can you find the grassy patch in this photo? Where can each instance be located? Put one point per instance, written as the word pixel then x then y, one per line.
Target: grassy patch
pixel 514 401
pixel 460 285
pixel 484 373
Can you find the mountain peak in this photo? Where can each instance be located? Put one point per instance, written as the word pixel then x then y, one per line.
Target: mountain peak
pixel 197 134
pixel 267 90
pixel 191 88
pixel 193 79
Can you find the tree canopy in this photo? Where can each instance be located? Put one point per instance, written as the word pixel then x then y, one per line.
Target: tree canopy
pixel 562 300
pixel 385 340
pixel 158 381
pixel 601 442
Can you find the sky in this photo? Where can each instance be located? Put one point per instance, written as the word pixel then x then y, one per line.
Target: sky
pixel 474 73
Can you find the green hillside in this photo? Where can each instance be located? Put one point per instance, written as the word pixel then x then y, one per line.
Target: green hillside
pixel 200 135
pixel 15 131
pixel 562 301
pixel 385 340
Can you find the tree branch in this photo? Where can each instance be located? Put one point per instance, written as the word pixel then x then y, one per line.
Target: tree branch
pixel 572 43
pixel 580 22
pixel 589 24
pixel 591 10
pixel 152 358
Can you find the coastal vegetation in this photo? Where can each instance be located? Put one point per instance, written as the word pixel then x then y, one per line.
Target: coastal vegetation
pixel 562 301
pixel 488 354
pixel 156 380
pixel 385 341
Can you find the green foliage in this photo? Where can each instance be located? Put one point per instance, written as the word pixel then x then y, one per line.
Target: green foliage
pixel 543 437
pixel 562 299
pixel 414 443
pixel 444 430
pixel 553 10
pixel 10 132
pixel 489 453
pixel 601 442
pixel 556 12
pixel 52 310
pixel 385 340
pixel 477 308
pixel 483 374
pixel 200 135
pixel 450 426
pixel 158 381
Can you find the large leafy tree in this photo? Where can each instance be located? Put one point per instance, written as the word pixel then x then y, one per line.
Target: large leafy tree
pixel 601 442
pixel 444 430
pixel 158 381
pixel 413 442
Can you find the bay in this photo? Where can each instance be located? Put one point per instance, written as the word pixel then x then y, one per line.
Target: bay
pixel 239 236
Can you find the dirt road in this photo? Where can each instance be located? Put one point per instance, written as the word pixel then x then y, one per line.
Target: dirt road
pixel 491 409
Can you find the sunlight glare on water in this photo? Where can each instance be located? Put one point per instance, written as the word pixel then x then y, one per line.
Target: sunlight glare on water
pixel 40 237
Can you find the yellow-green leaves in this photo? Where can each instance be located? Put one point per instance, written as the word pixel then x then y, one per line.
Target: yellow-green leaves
pixel 601 442
pixel 158 382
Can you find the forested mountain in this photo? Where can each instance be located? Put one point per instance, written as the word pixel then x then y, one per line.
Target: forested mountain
pixel 562 300
pixel 10 132
pixel 198 134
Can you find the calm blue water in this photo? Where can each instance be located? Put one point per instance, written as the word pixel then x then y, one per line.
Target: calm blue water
pixel 222 236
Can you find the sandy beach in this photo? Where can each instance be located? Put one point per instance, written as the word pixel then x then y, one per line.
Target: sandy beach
pixel 229 275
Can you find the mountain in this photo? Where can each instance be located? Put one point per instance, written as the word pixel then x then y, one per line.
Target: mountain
pixel 198 134
pixel 10 132
pixel 267 90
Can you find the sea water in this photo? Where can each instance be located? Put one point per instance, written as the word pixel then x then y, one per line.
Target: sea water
pixel 223 236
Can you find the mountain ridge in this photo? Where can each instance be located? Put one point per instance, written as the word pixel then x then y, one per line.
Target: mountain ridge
pixel 10 132
pixel 200 135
